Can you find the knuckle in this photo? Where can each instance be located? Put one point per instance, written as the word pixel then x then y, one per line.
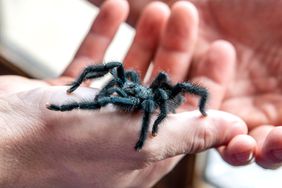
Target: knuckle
pixel 203 139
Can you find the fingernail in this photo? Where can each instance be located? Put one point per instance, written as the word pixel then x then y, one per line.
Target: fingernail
pixel 277 154
pixel 244 156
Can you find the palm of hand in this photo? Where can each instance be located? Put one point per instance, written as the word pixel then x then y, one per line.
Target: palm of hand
pixel 254 28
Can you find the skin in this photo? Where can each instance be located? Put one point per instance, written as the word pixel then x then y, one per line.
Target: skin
pixel 43 148
pixel 254 47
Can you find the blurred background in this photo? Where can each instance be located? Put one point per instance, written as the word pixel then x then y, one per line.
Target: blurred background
pixel 38 39
pixel 41 37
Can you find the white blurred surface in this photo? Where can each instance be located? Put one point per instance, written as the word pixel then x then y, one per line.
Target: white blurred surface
pixel 220 174
pixel 41 36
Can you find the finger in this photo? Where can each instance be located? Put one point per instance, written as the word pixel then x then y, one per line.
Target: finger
pixel 177 42
pixel 147 37
pixel 269 153
pixel 240 150
pixel 215 70
pixel 102 31
pixel 189 132
pixel 265 109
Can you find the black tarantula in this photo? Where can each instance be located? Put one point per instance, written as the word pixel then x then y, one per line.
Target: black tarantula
pixel 126 92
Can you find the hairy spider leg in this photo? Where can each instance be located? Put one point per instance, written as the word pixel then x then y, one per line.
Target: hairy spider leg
pixel 74 105
pixel 109 89
pixel 92 75
pixel 162 101
pixel 116 90
pixel 193 89
pixel 101 71
pixel 132 76
pixel 148 107
pixel 161 79
pixel 103 101
pixel 119 101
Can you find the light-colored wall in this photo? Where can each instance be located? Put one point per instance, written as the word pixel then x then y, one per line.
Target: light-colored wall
pixel 41 37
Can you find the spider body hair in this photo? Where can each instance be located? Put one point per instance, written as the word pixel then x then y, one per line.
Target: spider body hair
pixel 127 93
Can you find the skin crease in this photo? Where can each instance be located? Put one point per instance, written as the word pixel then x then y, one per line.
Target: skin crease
pixel 42 148
pixel 256 84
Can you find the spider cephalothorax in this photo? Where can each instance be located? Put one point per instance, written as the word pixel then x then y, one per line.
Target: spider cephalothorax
pixel 126 92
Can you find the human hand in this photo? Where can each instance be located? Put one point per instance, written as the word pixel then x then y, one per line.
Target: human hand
pixel 171 38
pixel 50 149
pixel 43 148
pixel 253 92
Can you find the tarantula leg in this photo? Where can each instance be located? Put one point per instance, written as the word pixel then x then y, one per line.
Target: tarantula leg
pixel 93 75
pixel 159 80
pixel 193 89
pixel 133 76
pixel 103 101
pixel 120 101
pixel 110 88
pixel 148 107
pixel 162 100
pixel 74 105
pixel 83 75
pixel 100 70
pixel 161 117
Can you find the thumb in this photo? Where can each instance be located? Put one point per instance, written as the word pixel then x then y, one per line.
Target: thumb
pixel 214 71
pixel 189 132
